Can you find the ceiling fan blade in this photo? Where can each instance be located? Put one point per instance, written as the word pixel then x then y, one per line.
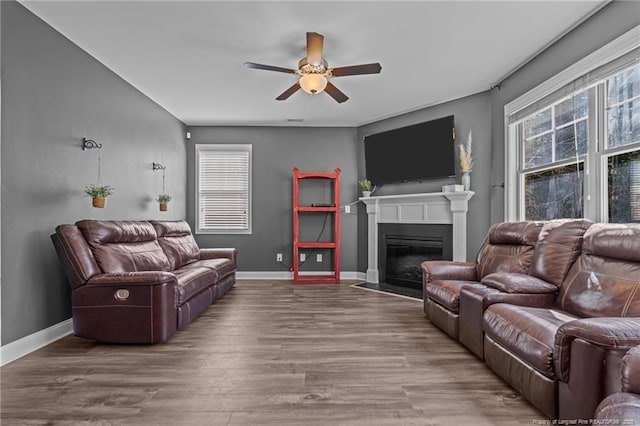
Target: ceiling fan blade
pixel 357 70
pixel 335 93
pixel 314 48
pixel 268 68
pixel 290 91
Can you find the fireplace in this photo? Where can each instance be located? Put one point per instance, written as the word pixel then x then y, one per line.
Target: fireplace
pixel 403 248
pixel 423 209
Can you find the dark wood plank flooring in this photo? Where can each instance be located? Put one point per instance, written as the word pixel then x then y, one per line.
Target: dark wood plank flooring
pixel 270 353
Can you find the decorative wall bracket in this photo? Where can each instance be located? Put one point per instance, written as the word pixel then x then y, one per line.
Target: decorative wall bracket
pixel 90 144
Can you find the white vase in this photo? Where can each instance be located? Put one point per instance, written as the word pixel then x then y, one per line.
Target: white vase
pixel 366 194
pixel 466 181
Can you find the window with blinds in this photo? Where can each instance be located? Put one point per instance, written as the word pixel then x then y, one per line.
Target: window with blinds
pixel 223 193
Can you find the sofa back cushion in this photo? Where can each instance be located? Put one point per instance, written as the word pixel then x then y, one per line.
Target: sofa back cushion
pixel 75 255
pixel 605 279
pixel 177 242
pixel 508 248
pixel 124 246
pixel 559 245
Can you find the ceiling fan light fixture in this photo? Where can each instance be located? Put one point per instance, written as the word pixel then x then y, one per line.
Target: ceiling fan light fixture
pixel 313 83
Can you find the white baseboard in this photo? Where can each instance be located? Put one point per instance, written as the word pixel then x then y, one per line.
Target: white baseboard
pixel 21 347
pixel 285 275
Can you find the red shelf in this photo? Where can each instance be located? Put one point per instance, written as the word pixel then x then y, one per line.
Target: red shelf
pixel 334 277
pixel 317 209
pixel 318 279
pixel 327 245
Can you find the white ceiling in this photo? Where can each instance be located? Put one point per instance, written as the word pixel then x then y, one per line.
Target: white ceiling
pixel 188 56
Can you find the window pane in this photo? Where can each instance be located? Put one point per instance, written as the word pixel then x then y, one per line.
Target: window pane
pixel 554 194
pixel 567 145
pixel 537 123
pixel 624 86
pixel 624 187
pixel 572 109
pixel 538 150
pixel 623 124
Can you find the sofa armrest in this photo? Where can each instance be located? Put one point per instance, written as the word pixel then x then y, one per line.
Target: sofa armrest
pixel 631 371
pixel 608 333
pixel 531 300
pixel 143 278
pixel 435 270
pixel 511 282
pixel 134 307
pixel 217 253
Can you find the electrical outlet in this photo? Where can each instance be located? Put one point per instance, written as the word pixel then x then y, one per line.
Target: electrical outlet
pixel 279 257
pixel 303 257
pixel 347 209
pixel 318 257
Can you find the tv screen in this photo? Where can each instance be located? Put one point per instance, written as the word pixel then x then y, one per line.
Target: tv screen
pixel 413 153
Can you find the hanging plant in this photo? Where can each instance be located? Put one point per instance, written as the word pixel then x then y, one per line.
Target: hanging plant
pixel 163 199
pixel 99 194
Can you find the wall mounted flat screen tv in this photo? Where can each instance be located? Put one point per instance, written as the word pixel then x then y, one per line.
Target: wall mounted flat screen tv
pixel 413 153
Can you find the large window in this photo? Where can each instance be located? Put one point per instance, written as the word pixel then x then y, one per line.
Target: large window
pixel 575 150
pixel 554 143
pixel 622 152
pixel 223 192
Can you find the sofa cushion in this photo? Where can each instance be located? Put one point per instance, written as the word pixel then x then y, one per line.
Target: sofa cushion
pixel 447 292
pixel 192 281
pixel 528 333
pixel 605 280
pixel 178 243
pixel 508 248
pixel 223 266
pixel 558 246
pixel 124 246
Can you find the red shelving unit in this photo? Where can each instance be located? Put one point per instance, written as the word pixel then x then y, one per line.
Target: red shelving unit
pixel 298 210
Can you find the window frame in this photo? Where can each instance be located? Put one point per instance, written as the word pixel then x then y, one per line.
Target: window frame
pixel 595 162
pixel 224 147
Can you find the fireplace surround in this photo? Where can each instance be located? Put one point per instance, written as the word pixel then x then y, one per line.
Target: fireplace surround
pixel 444 208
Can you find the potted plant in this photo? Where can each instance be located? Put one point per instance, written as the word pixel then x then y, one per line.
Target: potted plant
pixel 99 194
pixel 163 199
pixel 365 186
pixel 466 163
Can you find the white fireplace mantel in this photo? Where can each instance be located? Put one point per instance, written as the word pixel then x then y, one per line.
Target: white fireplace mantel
pixel 427 208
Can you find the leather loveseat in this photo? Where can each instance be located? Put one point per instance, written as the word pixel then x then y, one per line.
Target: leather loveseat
pixel 139 281
pixel 508 247
pixel 557 331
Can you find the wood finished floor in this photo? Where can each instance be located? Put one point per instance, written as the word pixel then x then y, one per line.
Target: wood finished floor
pixel 270 353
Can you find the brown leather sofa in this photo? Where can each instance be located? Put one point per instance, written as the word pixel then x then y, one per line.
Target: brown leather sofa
pixel 565 357
pixel 623 407
pixel 139 281
pixel 555 332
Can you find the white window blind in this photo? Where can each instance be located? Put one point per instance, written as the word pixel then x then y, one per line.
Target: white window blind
pixel 224 188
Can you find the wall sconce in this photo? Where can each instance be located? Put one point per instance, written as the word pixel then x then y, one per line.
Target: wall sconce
pixel 158 166
pixel 90 144
pixel 188 135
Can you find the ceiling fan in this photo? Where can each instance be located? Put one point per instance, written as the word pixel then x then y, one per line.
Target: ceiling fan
pixel 315 73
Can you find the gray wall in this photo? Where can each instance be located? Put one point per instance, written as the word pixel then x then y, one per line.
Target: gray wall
pixel 609 23
pixel 276 150
pixel 472 113
pixel 53 95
